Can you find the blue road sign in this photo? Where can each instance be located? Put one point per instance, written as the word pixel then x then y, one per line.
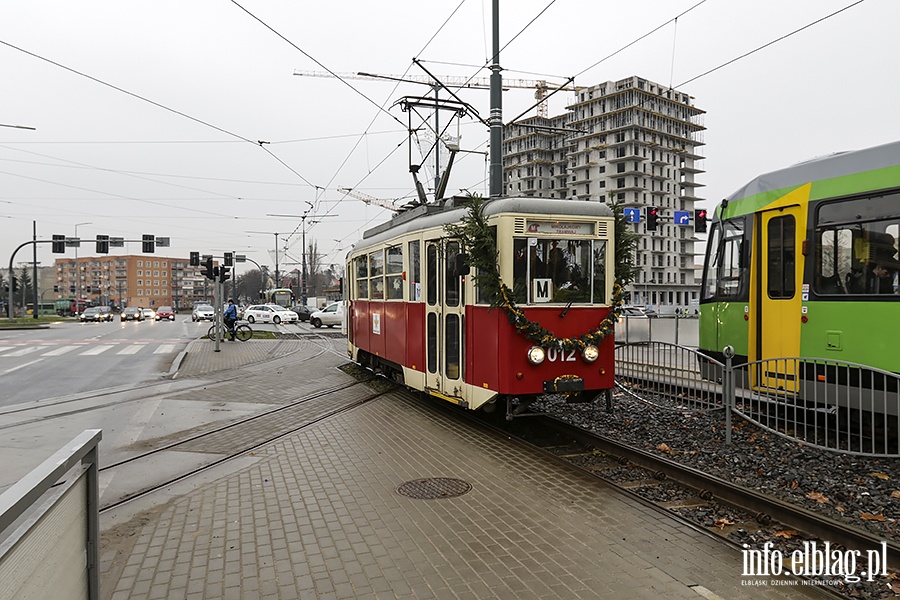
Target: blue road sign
pixel 682 217
pixel 632 215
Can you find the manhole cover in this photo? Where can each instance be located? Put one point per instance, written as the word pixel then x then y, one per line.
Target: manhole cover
pixel 434 487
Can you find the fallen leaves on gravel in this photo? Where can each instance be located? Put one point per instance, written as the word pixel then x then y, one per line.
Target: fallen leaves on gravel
pixel 871 517
pixel 721 523
pixel 818 497
pixel 786 533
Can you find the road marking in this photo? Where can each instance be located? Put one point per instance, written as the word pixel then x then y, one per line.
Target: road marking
pixel 22 366
pixel 5 348
pixel 23 351
pixel 133 349
pixel 95 350
pixel 62 350
pixel 164 349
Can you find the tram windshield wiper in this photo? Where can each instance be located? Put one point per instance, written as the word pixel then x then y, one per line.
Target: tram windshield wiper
pixel 566 309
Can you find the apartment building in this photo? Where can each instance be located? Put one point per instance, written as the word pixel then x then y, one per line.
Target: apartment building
pixel 146 281
pixel 633 141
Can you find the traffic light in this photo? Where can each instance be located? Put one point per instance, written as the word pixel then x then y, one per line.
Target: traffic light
pixel 208 268
pixel 55 289
pixel 195 259
pixel 149 243
pixel 229 259
pixel 88 289
pixel 102 244
pixel 700 220
pixel 652 218
pixel 223 273
pixel 59 244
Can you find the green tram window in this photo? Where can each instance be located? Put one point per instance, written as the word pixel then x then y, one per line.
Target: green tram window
pixel 781 279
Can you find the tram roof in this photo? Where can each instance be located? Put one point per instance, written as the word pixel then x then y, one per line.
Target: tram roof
pixel 454 209
pixel 820 168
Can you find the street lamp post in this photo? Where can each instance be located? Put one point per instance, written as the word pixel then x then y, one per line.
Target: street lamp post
pixel 77 271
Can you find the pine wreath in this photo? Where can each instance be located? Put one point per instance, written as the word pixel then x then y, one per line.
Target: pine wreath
pixel 476 236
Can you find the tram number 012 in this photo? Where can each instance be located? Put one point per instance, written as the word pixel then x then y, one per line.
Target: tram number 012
pixel 557 354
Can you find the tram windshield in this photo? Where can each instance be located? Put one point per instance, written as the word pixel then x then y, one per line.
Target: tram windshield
pixel 559 270
pixel 725 276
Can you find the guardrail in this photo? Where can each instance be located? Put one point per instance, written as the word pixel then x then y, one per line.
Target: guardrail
pixel 50 527
pixel 838 406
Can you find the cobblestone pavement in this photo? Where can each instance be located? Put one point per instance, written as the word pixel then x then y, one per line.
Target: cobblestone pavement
pixel 317 515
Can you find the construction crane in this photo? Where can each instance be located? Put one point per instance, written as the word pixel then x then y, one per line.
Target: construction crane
pixel 540 86
pixel 388 204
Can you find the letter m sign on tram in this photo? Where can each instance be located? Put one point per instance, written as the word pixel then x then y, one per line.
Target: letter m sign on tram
pixel 632 215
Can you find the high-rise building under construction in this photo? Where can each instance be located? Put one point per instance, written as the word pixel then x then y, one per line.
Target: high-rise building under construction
pixel 630 141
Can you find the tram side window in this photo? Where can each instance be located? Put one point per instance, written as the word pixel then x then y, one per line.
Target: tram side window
pixel 856 246
pixel 394 273
pixel 415 272
pixel 376 274
pixel 451 282
pixel 431 274
pixel 600 272
pixel 781 274
pixel 362 277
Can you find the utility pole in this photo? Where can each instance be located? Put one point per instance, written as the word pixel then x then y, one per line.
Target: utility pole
pixel 34 277
pixel 304 287
pixel 496 116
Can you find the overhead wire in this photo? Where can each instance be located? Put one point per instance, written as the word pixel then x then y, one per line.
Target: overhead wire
pixel 766 45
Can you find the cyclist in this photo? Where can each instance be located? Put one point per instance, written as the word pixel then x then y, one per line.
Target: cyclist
pixel 230 317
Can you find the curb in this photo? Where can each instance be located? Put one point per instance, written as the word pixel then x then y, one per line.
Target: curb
pixel 176 364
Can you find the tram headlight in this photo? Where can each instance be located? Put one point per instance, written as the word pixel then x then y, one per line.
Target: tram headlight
pixel 536 355
pixel 590 354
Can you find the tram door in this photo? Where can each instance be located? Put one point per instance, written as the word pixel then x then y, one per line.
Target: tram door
pixel 780 293
pixel 444 313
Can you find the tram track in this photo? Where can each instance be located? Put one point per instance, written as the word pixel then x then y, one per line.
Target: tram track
pixel 274 435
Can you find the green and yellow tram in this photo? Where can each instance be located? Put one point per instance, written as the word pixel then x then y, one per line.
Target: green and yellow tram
pixel 803 262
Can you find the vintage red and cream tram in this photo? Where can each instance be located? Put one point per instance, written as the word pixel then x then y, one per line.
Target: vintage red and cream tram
pixel 416 313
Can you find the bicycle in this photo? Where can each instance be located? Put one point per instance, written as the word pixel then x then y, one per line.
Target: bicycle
pixel 242 332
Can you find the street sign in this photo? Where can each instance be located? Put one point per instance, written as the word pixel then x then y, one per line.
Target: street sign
pixel 682 217
pixel 162 242
pixel 116 242
pixel 632 215
pixel 240 258
pixel 73 242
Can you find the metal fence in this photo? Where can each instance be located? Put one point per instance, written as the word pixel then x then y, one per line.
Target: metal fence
pixel 50 527
pixel 838 406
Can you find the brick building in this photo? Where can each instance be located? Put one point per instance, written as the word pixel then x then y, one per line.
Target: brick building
pixel 145 280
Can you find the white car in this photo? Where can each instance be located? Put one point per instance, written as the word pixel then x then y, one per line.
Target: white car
pixel 270 313
pixel 331 315
pixel 148 313
pixel 203 312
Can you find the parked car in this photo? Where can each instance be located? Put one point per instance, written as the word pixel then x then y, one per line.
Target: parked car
pixel 96 313
pixel 132 313
pixel 331 315
pixel 165 312
pixel 203 312
pixel 270 313
pixel 148 313
pixel 638 311
pixel 303 312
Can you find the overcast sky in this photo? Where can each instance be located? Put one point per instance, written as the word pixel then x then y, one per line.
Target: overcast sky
pixel 147 115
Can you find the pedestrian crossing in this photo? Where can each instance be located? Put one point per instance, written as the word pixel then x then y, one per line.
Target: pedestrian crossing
pixel 86 349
